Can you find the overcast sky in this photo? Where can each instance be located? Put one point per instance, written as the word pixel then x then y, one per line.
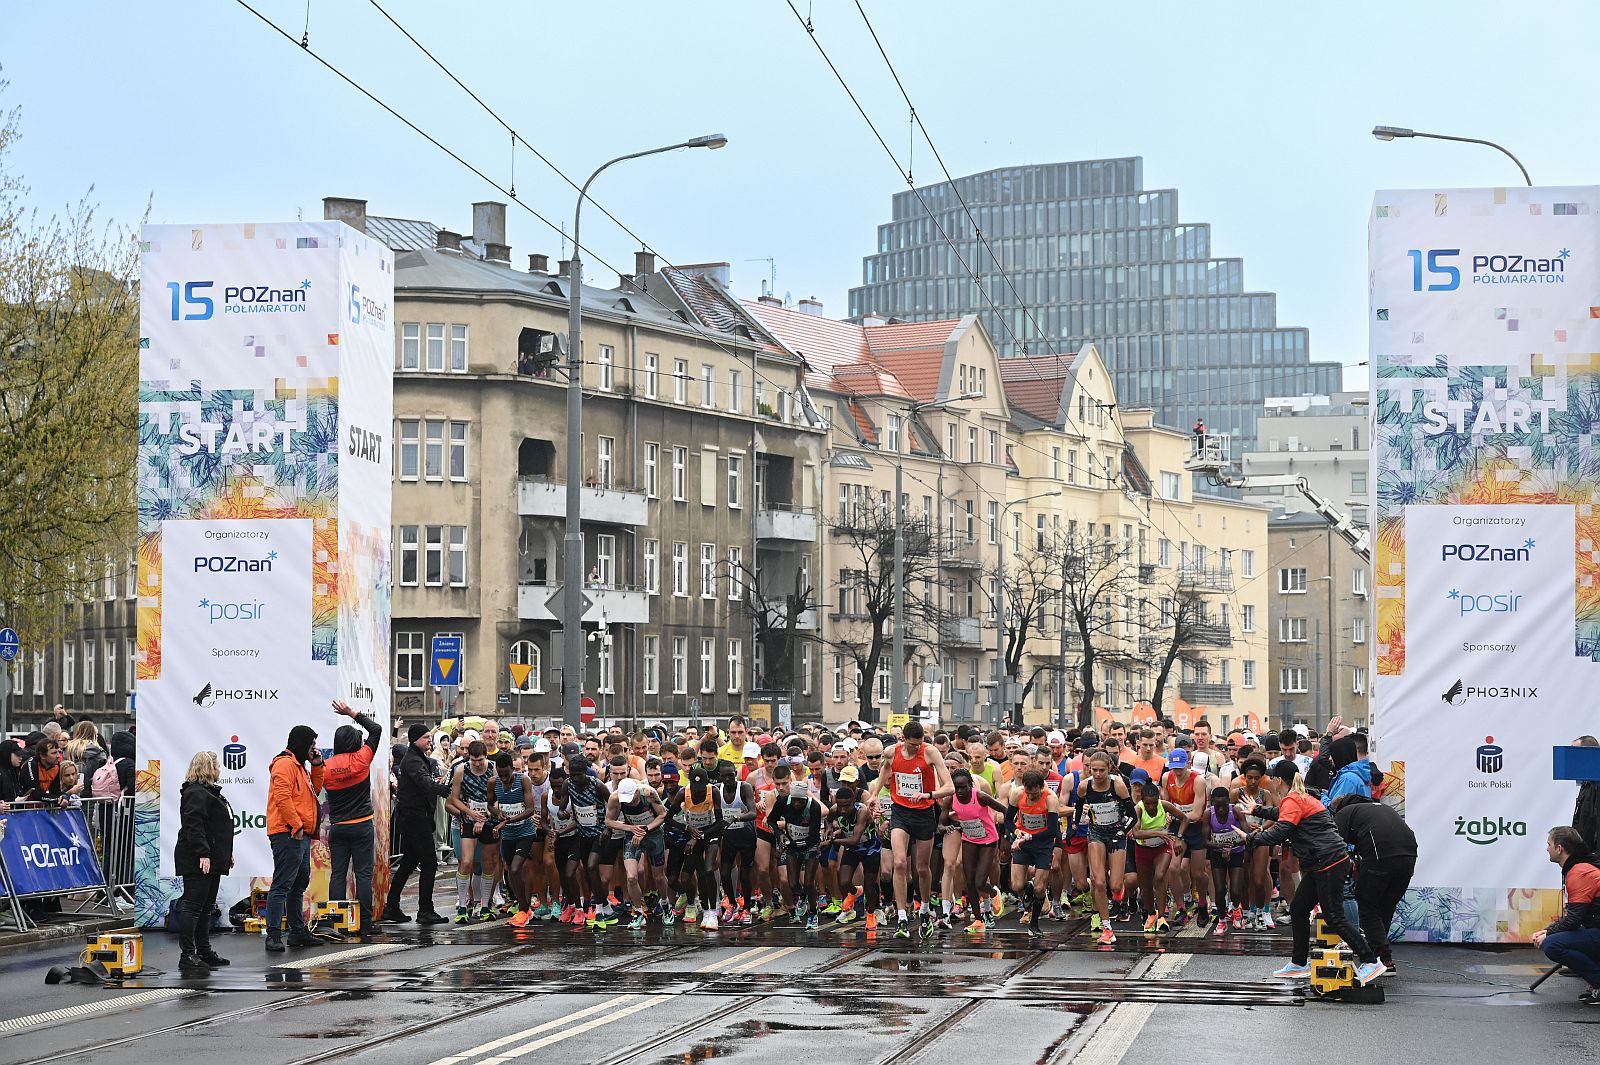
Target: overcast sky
pixel 1258 113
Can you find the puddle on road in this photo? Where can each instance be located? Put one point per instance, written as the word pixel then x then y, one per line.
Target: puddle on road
pixel 743 1036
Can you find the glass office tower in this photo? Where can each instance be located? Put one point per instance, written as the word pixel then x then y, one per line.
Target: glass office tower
pixel 1095 257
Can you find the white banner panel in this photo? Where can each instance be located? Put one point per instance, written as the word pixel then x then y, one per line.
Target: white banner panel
pixel 265 401
pixel 1485 344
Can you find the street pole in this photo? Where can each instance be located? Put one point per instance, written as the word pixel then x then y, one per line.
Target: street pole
pixel 897 698
pixel 1389 133
pixel 572 534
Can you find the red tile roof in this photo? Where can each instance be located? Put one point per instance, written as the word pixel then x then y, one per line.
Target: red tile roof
pixel 1035 384
pixel 914 352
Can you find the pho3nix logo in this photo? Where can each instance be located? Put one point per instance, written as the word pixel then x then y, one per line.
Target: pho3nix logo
pixel 1460 692
pixel 1444 269
pixel 209 696
pixel 196 301
pixel 233 754
pixel 1486 830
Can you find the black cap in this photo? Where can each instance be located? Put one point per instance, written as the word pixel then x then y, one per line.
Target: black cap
pixel 417 731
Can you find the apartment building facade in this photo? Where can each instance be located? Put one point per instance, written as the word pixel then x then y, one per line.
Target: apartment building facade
pixel 1322 652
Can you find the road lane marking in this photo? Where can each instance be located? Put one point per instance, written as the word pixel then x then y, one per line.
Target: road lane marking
pixel 751 958
pixel 339 955
pixel 1124 1021
pixel 88 1009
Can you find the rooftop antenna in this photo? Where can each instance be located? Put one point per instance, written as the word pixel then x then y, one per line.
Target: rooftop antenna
pixel 769 286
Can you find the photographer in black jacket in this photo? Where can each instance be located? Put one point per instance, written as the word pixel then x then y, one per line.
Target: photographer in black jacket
pixel 1385 850
pixel 415 799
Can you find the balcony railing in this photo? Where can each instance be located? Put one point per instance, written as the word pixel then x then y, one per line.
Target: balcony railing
pixel 780 521
pixel 1213 635
pixel 961 632
pixel 1205 579
pixel 1201 694
pixel 544 497
pixel 607 605
pixel 1147 573
pixel 962 556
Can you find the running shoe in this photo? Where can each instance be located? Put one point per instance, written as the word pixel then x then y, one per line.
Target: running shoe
pixel 1164 926
pixel 929 923
pixel 1150 924
pixel 591 918
pixel 872 922
pixel 1107 937
pixel 680 902
pixel 691 913
pixel 1236 914
pixel 811 922
pixel 977 927
pixel 833 907
pixel 487 914
pixel 944 923
pixel 709 921
pixel 1222 927
pixel 520 919
pixel 637 922
pixel 606 921
pixel 1266 920
pixel 1025 917
pixel 1055 913
pixel 767 912
pixel 1291 971
pixel 463 915
pixel 507 909
pixel 1035 932
pixel 902 929
pixel 999 905
pixel 1094 922
pixel 745 918
pixel 1589 997
pixel 1202 916
pixel 669 918
pixel 849 916
pixel 1239 922
pixel 1370 972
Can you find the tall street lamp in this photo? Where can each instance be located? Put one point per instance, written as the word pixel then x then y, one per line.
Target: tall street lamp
pixel 1389 133
pixel 1001 676
pixel 572 597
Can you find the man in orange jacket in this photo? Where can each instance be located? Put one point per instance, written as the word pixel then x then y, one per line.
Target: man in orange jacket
pixel 291 825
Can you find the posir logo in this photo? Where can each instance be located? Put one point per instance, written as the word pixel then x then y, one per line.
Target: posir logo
pixel 1508 602
pixel 1492 268
pixel 366 309
pixel 1460 692
pixel 209 696
pixel 1486 830
pixel 195 301
pixel 221 612
pixel 1486 552
pixel 243 819
pixel 235 563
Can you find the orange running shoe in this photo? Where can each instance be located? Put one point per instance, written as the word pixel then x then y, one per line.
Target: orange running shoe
pixel 872 921
pixel 520 919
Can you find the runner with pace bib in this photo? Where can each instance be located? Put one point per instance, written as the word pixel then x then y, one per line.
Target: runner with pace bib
pixel 916 779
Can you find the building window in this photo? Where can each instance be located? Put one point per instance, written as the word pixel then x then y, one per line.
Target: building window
pixel 606 356
pixel 110 684
pixel 708 385
pixel 130 578
pixel 1292 580
pixel 971 528
pixel 435 362
pixel 458 556
pixel 1247 563
pixel 408 662
pixel 1247 673
pixel 1358 581
pixel 1072 466
pixel 891 436
pixel 993 520
pixel 89 676
pixel 708 477
pixel 1038 532
pixel 805 668
pixel 735 665
pixel 680 380
pixel 708 571
pixel 1171 485
pixel 680 475
pixel 680 568
pixel 652 472
pixel 109 583
pixel 652 375
pixel 735 481
pixel 606 662
pixel 129 669
pixel 680 664
pixel 458 349
pixel 838 678
pixel 652 653
pixel 735 400
pixel 433 451
pixel 458 451
pixel 410 449
pixel 433 555
pixel 1358 680
pixel 994 447
pixel 1163 552
pixel 652 566
pixel 607 452
pixel 950 441
pixel 410 346
pixel 1291 630
pixel 605 565
pixel 735 573
pixel 883 681
pixel 527 653
pixel 1358 630
pixel 708 669
pixel 1055 464
pixel 38 673
pixel 1358 482
pixel 972 444
pixel 1292 680
pixel 1247 617
pixel 408 556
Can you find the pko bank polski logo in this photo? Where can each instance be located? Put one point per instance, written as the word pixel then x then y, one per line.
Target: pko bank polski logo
pixel 1443 269
pixel 196 301
pixel 235 563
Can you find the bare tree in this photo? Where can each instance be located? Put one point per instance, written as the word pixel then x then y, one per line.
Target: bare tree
pixel 775 616
pixel 1032 586
pixel 1184 626
pixel 864 598
pixel 1097 579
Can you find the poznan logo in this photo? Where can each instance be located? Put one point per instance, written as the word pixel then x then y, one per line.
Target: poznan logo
pixel 196 301
pixel 235 563
pixel 1486 552
pixel 1487 830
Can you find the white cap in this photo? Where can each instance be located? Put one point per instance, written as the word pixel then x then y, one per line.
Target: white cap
pixel 752 750
pixel 1302 731
pixel 1056 739
pixel 850 745
pixel 541 746
pixel 470 735
pixel 627 790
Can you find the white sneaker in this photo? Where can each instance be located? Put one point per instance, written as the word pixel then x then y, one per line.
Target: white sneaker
pixel 1370 972
pixel 1266 920
pixel 709 921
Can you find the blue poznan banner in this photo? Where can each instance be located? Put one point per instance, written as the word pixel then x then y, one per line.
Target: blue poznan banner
pixel 49 850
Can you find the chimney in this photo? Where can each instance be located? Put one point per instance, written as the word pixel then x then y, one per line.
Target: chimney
pixel 447 241
pixel 564 268
pixel 538 264
pixel 811 306
pixel 874 319
pixel 644 262
pixel 497 253
pixel 489 224
pixel 769 300
pixel 352 213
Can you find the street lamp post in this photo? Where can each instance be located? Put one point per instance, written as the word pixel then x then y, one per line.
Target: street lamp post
pixel 1001 676
pixel 572 539
pixel 1389 133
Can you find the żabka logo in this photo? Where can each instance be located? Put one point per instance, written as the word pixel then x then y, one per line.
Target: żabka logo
pixel 243 819
pixel 1486 830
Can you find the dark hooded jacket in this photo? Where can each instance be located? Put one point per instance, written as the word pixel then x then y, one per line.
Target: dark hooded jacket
pixel 1373 830
pixel 1352 775
pixel 123 748
pixel 205 830
pixel 12 782
pixel 347 775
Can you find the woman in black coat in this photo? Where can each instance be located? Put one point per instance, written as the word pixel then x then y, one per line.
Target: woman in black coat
pixel 204 852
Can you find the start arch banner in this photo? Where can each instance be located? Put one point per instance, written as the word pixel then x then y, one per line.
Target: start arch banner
pixel 1485 356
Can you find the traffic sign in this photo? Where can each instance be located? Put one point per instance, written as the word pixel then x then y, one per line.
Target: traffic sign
pixel 586 709
pixel 520 671
pixel 446 661
pixel 9 644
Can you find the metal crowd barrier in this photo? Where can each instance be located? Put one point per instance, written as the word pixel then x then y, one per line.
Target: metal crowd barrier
pixel 110 821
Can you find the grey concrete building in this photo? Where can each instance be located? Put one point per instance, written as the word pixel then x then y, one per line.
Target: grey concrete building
pixel 1325 439
pixel 1319 613
pixel 89 672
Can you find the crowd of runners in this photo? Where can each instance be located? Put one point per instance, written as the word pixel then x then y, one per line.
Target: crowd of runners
pixel 1132 829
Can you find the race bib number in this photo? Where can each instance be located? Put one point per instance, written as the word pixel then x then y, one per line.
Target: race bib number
pixel 699 818
pixel 478 807
pixel 799 833
pixel 511 809
pixel 1104 814
pixel 1033 823
pixel 588 816
pixel 907 784
pixel 974 829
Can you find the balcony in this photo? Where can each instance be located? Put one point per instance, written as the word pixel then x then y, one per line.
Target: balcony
pixel 1200 694
pixel 1205 579
pixel 960 632
pixel 1212 635
pixel 1150 645
pixel 806 621
pixel 541 497
pixel 616 606
pixel 777 521
pixel 962 556
pixel 1147 573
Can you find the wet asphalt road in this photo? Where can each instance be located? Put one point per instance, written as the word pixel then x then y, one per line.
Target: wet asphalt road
pixel 487 995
